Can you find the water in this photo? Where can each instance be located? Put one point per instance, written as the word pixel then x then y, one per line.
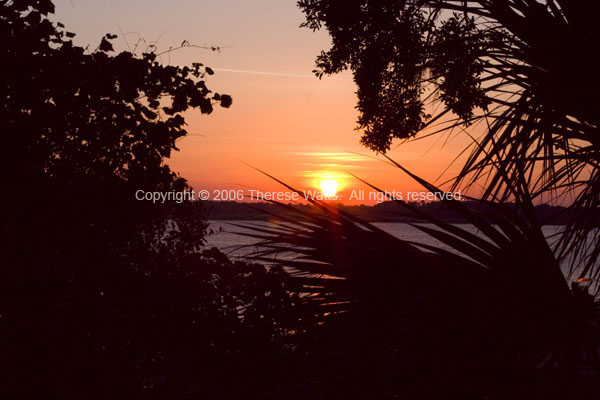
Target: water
pixel 228 240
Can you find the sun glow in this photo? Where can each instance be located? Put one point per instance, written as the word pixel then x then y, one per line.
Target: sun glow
pixel 329 187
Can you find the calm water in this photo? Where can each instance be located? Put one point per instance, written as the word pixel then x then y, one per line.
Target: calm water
pixel 228 240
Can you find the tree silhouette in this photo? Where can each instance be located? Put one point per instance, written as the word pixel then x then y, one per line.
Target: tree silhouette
pixel 103 295
pixel 523 72
pixel 89 112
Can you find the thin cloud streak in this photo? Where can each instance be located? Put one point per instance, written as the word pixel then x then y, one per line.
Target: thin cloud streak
pixel 334 165
pixel 262 73
pixel 324 174
pixel 260 139
pixel 334 156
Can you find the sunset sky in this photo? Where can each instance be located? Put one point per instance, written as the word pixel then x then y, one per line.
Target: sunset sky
pixel 283 120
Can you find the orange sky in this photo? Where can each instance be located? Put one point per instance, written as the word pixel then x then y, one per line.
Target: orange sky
pixel 283 120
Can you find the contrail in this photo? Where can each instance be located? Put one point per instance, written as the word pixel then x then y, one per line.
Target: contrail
pixel 261 73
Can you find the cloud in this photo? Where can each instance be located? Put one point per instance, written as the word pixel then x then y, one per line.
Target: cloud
pixel 263 73
pixel 334 156
pixel 323 174
pixel 334 165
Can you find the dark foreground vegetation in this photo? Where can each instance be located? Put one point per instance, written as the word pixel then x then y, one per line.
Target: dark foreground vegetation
pixel 104 296
pixel 493 318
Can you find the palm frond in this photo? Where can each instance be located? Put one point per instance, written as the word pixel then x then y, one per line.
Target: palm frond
pixel 524 70
pixel 500 289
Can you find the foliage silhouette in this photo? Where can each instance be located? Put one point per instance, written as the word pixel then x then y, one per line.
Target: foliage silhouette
pixel 492 318
pixel 102 295
pixel 524 73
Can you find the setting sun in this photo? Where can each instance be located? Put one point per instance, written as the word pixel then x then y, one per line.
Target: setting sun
pixel 329 187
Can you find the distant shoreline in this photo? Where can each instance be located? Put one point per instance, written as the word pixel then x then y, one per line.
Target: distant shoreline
pixel 383 212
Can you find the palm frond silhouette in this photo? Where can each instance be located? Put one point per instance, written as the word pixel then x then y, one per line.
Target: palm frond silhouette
pixel 490 311
pixel 518 76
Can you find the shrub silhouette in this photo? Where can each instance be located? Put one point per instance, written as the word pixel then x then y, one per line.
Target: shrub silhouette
pixel 100 299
